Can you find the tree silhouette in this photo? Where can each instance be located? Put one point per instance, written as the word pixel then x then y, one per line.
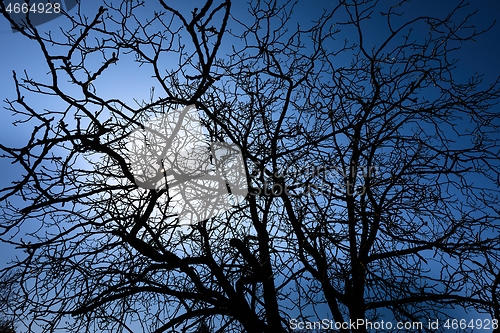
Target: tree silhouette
pixel 6 325
pixel 203 328
pixel 371 165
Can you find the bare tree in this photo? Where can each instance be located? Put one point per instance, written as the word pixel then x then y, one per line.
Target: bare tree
pixel 6 324
pixel 6 327
pixel 203 328
pixel 371 166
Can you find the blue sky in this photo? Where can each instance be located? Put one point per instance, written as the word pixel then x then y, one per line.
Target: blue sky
pixel 19 54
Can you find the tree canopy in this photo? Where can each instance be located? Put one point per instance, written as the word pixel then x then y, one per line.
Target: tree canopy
pixel 366 162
